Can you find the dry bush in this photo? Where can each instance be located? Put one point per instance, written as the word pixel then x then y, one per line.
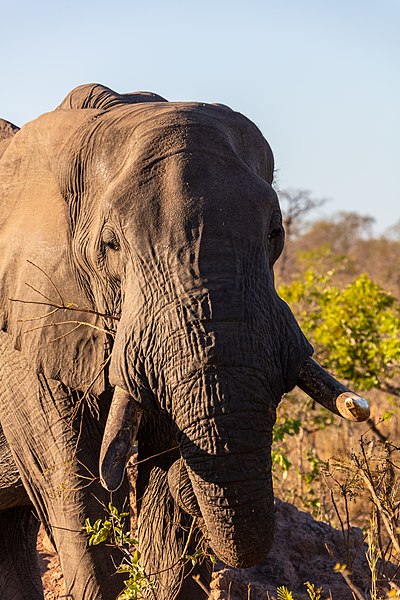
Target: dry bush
pixel 347 475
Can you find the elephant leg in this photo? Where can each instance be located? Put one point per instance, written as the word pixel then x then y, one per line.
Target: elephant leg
pixel 19 568
pixel 56 449
pixel 163 530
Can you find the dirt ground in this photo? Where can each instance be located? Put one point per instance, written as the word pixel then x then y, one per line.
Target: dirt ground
pixel 303 550
pixel 52 579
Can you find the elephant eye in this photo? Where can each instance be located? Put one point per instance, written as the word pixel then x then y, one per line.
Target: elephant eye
pixel 275 233
pixel 109 239
pixel 276 239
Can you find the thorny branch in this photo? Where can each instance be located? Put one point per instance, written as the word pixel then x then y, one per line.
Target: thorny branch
pixel 56 306
pixel 77 323
pixel 382 485
pixel 388 522
pixel 65 307
pixel 60 305
pixel 47 277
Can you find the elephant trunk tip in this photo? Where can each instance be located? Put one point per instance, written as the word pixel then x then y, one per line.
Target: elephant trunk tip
pixel 247 556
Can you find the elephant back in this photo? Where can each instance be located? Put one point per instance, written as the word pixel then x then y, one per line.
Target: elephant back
pixel 7 132
pixel 7 129
pixel 94 95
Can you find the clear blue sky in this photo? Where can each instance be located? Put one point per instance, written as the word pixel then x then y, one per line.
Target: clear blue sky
pixel 321 78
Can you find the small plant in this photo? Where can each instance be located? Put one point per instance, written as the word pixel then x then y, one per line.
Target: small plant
pixel 113 530
pixel 283 593
pixel 315 594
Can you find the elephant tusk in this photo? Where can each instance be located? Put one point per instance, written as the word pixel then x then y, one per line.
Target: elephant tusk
pixel 120 432
pixel 326 390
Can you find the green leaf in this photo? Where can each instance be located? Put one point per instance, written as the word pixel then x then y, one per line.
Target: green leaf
pixel 101 533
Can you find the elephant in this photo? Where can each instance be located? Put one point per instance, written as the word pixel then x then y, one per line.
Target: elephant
pixel 138 239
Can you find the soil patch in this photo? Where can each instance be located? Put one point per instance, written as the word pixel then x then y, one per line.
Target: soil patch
pixel 303 550
pixel 52 579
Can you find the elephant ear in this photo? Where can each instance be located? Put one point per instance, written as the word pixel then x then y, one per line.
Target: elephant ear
pixel 94 95
pixel 37 273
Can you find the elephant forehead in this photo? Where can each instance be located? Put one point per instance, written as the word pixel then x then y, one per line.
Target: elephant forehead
pixel 146 150
pixel 144 134
pixel 192 196
pixel 164 169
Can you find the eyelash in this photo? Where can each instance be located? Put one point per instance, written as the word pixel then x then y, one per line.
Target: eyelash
pixel 109 240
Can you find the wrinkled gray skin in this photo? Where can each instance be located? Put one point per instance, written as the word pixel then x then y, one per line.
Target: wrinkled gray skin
pixel 163 215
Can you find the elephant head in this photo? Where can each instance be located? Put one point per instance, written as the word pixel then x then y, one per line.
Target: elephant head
pixel 159 221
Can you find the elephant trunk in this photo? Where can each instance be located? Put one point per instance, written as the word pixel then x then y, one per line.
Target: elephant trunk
pixel 238 515
pixel 226 455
